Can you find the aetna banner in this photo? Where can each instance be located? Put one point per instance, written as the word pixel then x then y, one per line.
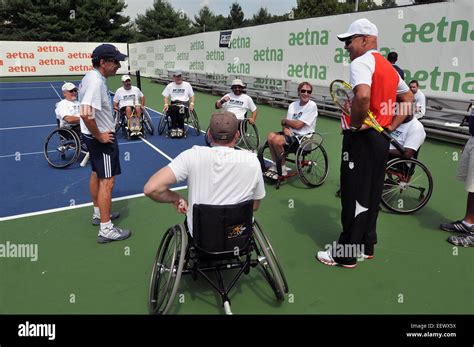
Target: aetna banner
pixel 224 38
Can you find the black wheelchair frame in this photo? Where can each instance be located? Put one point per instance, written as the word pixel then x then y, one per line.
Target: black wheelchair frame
pixel 190 121
pixel 224 237
pixel 310 159
pixel 121 122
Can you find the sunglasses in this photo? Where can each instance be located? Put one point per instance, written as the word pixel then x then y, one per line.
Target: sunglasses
pixel 349 40
pixel 72 91
pixel 305 91
pixel 115 61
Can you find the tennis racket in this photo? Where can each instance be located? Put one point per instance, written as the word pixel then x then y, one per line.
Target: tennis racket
pixel 342 94
pixel 85 160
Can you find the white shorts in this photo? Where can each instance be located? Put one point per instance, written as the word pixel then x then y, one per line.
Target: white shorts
pixel 466 166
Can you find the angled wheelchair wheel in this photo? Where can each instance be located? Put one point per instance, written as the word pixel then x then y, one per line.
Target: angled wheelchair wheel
pixel 249 135
pixel 62 148
pixel 118 119
pixel 194 122
pixel 312 163
pixel 207 140
pixel 269 263
pixel 148 122
pixel 407 186
pixel 265 158
pixel 167 270
pixel 163 124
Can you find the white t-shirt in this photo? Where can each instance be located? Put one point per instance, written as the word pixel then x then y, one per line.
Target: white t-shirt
pixel 420 104
pixel 93 92
pixel 130 97
pixel 410 135
pixel 218 176
pixel 178 92
pixel 239 104
pixel 66 108
pixel 307 114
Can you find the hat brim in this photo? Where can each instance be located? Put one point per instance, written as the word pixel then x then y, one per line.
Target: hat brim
pixel 121 57
pixel 343 37
pixel 238 85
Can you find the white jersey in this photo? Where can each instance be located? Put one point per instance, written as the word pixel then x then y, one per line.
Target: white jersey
pixel 66 108
pixel 130 97
pixel 239 104
pixel 410 135
pixel 420 104
pixel 93 92
pixel 307 114
pixel 178 92
pixel 218 176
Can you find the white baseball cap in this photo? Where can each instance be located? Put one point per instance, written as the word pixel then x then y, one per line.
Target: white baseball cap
pixel 68 86
pixel 360 27
pixel 237 82
pixel 126 78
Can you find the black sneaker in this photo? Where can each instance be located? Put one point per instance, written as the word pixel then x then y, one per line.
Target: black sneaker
pixel 462 240
pixel 457 227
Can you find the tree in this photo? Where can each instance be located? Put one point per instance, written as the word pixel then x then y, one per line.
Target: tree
pixel 162 21
pixel 317 8
pixel 261 17
pixel 236 16
pixel 63 20
pixel 389 3
pixel 206 20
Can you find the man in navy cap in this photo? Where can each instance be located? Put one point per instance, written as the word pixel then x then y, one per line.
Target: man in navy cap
pixel 97 127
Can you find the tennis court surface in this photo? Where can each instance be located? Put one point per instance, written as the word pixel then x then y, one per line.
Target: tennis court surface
pixel 415 270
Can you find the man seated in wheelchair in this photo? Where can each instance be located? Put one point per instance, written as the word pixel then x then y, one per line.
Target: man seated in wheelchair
pixel 218 175
pixel 179 101
pixel 238 102
pixel 300 121
pixel 130 101
pixel 410 133
pixel 68 110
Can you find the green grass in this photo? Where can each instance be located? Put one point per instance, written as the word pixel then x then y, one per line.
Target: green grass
pixel 415 270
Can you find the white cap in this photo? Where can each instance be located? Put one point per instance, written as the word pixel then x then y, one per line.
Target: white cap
pixel 177 72
pixel 237 82
pixel 126 78
pixel 68 86
pixel 360 27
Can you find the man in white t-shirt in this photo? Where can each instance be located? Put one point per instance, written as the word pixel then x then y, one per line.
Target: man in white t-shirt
pixel 420 100
pixel 128 98
pixel 410 134
pixel 67 110
pixel 178 92
pixel 238 102
pixel 300 120
pixel 217 175
pixel 97 127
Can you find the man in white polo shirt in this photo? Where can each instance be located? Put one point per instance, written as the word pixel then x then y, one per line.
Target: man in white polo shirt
pixel 97 127
pixel 126 99
pixel 217 175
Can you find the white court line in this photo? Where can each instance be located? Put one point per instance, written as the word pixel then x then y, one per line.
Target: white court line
pixel 59 96
pixel 156 149
pixel 31 214
pixel 30 126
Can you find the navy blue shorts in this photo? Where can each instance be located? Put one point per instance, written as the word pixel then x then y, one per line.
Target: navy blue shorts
pixel 291 142
pixel 104 157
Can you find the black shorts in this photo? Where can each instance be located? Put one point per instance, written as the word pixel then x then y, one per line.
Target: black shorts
pixel 291 142
pixel 104 157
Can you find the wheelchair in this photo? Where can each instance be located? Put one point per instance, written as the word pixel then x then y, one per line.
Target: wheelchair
pixel 63 146
pixel 146 123
pixel 249 138
pixel 310 161
pixel 407 185
pixel 224 237
pixel 190 120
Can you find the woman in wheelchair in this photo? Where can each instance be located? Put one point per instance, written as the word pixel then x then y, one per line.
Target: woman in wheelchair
pixel 299 122
pixel 129 101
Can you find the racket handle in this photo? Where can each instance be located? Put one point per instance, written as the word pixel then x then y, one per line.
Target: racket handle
pixel 85 160
pixel 394 142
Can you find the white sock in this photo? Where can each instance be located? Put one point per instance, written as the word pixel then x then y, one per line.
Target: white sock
pixel 96 212
pixel 467 224
pixel 107 225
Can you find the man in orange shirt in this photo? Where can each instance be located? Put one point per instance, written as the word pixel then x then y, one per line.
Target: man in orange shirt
pixel 377 86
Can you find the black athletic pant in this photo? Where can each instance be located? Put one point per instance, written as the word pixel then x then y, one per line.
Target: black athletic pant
pixel 177 117
pixel 363 162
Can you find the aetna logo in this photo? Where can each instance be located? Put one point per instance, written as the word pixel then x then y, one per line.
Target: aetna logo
pixel 37 330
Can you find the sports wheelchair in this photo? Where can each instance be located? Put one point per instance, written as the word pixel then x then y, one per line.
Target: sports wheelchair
pixel 407 185
pixel 146 123
pixel 249 138
pixel 224 237
pixel 63 146
pixel 190 120
pixel 310 162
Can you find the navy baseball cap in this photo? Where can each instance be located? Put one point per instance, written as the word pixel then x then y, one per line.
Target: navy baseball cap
pixel 106 50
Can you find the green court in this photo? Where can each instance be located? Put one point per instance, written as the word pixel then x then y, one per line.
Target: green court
pixel 414 270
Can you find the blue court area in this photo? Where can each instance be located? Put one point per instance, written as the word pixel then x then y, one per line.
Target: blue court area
pixel 29 184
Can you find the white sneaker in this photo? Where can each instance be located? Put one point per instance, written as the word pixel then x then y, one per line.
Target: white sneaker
pixel 112 234
pixel 284 170
pixel 325 257
pixel 173 132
